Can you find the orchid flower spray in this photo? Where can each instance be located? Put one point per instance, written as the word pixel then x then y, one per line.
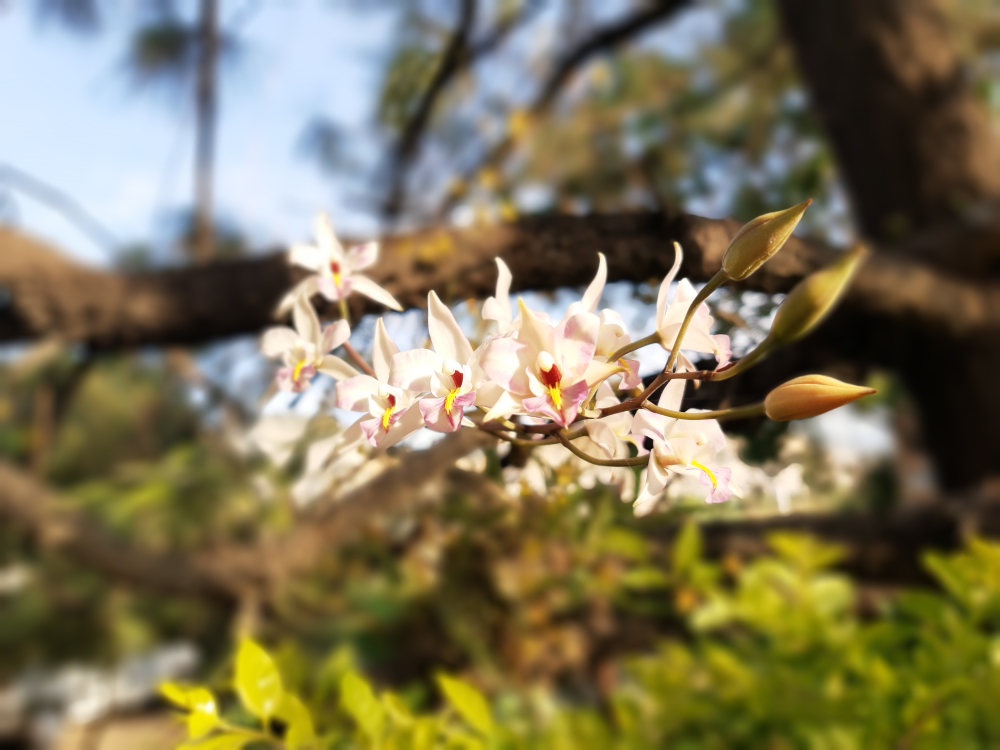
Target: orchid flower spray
pixel 570 384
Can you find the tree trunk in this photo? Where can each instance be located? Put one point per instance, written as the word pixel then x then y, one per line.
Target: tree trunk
pixel 915 149
pixel 205 106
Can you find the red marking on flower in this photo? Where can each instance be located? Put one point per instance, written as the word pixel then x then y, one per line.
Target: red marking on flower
pixel 391 400
pixel 457 378
pixel 552 377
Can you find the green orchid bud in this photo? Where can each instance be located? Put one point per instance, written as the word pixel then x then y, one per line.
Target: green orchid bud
pixel 810 396
pixel 759 239
pixel 812 299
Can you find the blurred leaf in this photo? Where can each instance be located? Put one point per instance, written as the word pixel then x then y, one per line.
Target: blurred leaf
pixel 468 701
pixel 359 701
pixel 257 680
pixel 202 716
pixel 300 734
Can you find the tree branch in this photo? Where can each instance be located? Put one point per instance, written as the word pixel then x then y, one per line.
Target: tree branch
pixel 228 572
pixel 604 39
pixel 455 58
pixel 48 295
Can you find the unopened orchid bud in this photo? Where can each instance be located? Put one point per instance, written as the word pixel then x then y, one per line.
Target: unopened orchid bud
pixel 814 297
pixel 759 239
pixel 809 396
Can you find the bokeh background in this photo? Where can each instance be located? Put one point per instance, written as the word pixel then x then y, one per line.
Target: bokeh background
pixel 157 157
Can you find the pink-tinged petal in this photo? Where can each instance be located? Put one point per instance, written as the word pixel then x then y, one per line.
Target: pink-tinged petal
pixel 432 410
pixel 277 341
pixel 405 425
pixel 576 341
pixel 503 407
pixel 631 378
pixel 412 370
pixel 535 332
pixel 367 287
pixel 648 424
pixel 383 350
pixel 718 483
pixel 372 428
pixel 287 380
pixel 335 335
pixel 593 294
pixel 307 288
pixel 498 308
pixel 327 240
pixel 705 432
pixel 307 256
pixel 597 372
pixel 337 368
pixel 571 398
pixel 488 393
pixel 672 395
pixel 353 393
pixel 602 436
pixel 361 256
pixel 437 419
pixel 330 290
pixel 724 350
pixel 504 361
pixel 306 321
pixel 661 297
pixel 446 334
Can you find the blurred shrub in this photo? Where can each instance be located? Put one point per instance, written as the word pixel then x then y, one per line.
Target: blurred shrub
pixel 773 656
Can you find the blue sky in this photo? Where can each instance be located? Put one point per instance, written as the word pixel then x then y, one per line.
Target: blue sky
pixel 70 118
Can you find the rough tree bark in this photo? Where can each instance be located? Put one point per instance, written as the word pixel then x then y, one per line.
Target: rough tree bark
pixel 919 158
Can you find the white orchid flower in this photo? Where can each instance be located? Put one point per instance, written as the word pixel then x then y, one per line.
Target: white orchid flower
pixel 545 370
pixel 444 372
pixel 305 349
pixel 393 411
pixel 681 446
pixel 613 334
pixel 612 434
pixel 337 269
pixel 670 316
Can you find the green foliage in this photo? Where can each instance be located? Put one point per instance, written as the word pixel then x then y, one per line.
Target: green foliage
pixel 777 657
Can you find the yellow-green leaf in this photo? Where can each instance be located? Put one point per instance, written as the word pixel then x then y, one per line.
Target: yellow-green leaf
pixel 203 714
pixel 300 734
pixel 687 548
pixel 359 701
pixel 468 701
pixel 219 742
pixel 257 680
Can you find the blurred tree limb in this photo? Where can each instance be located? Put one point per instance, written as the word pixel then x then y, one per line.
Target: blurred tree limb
pixel 48 295
pixel 227 573
pixel 603 39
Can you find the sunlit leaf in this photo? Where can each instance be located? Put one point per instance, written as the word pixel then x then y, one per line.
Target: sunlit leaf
pixel 300 733
pixel 359 701
pixel 202 712
pixel 257 680
pixel 468 701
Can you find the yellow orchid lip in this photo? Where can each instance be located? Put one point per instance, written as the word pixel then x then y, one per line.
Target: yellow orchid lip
pixel 555 393
pixel 449 401
pixel 711 476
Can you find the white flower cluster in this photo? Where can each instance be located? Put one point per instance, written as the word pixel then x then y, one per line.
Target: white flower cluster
pixel 534 381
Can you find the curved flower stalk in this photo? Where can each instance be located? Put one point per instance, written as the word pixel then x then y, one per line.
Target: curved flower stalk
pixel 670 317
pixel 444 372
pixel 305 348
pixel 681 447
pixel 336 269
pixel 393 412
